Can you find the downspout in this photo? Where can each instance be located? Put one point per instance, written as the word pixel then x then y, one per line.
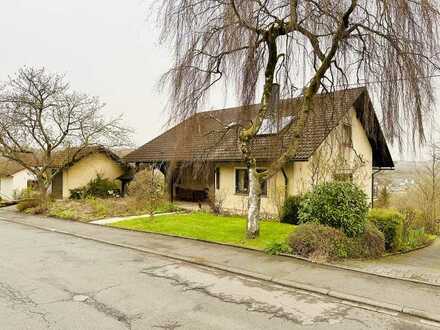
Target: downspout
pixel 286 184
pixel 372 185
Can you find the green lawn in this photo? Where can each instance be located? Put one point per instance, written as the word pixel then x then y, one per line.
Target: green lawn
pixel 209 227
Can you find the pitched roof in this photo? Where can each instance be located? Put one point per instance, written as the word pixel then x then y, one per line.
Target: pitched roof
pixel 9 167
pixel 68 156
pixel 60 159
pixel 204 137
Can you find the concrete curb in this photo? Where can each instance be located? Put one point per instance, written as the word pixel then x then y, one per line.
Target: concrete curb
pixel 366 302
pixel 329 265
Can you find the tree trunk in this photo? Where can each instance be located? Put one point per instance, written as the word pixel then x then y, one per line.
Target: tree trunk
pixel 254 201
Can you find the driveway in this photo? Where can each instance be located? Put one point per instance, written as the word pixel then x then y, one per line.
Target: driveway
pixel 49 280
pixel 421 265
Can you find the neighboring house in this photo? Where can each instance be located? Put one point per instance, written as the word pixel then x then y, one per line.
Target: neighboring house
pixel 14 179
pixel 79 167
pixel 202 160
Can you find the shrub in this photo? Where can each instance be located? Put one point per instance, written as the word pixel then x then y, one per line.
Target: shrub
pixel 290 209
pixel 29 203
pixel 97 187
pixel 148 189
pixel 102 187
pixel 370 244
pixel 275 248
pixel 341 205
pixel 78 193
pixel 321 242
pixel 416 238
pixel 390 223
pixel 317 241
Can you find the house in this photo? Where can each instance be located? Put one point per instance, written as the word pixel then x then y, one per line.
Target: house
pixel 202 161
pixel 76 168
pixel 14 179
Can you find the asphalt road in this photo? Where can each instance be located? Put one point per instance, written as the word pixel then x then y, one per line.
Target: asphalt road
pixel 53 281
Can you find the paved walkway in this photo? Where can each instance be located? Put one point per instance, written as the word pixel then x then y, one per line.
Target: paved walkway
pixel 421 265
pixel 109 221
pixel 412 298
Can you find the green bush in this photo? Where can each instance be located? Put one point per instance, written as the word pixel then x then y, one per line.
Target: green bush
pixel 275 248
pixel 317 241
pixel 78 193
pixel 390 223
pixel 289 212
pixel 102 187
pixel 97 187
pixel 341 205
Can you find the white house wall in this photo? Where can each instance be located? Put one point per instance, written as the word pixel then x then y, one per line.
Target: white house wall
pixel 12 186
pixel 86 169
pixel 302 175
pixel 6 187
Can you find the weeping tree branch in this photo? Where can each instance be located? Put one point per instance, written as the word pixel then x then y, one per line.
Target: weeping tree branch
pixel 324 44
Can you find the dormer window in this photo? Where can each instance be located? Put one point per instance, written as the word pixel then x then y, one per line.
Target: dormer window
pixel 270 126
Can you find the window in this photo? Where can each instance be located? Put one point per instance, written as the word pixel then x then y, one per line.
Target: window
pixel 217 178
pixel 271 126
pixel 242 182
pixel 346 135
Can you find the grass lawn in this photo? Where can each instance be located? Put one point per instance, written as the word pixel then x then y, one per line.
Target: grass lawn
pixel 210 227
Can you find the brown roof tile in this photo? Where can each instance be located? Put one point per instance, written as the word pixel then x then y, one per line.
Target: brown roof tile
pixel 203 137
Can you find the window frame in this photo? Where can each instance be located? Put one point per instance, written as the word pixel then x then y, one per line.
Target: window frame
pixel 217 178
pixel 349 142
pixel 264 187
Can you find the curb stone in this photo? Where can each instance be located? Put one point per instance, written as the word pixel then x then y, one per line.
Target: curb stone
pixel 295 285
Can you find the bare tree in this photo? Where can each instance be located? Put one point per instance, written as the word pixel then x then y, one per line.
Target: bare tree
pixel 40 115
pixel 427 188
pixel 250 44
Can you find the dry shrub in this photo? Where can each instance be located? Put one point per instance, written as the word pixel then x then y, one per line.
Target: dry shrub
pixel 148 190
pixel 318 242
pixel 28 203
pixel 371 244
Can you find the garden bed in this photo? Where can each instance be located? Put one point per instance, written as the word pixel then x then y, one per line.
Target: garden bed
pixel 90 209
pixel 209 227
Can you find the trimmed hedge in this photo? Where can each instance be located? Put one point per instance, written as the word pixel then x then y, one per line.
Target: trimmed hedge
pixel 290 210
pixel 390 223
pixel 341 205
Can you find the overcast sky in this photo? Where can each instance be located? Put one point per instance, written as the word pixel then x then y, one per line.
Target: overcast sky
pixel 107 48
